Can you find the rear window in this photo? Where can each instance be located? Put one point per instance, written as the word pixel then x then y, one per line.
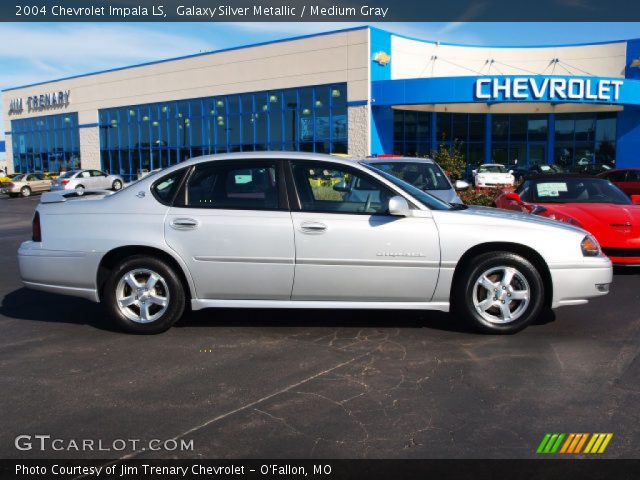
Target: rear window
pixel 68 174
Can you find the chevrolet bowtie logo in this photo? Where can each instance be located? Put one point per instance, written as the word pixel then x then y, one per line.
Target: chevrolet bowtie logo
pixel 381 58
pixel 635 63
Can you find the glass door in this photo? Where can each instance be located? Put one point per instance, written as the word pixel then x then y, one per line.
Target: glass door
pixel 537 154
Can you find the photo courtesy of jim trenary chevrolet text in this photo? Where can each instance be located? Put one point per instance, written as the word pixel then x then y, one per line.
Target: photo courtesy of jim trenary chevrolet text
pixel 281 239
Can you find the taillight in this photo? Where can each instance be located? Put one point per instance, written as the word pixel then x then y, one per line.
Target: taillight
pixel 64 182
pixel 36 235
pixel 10 185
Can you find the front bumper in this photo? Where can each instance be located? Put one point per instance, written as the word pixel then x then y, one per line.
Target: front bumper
pixel 575 284
pixel 59 271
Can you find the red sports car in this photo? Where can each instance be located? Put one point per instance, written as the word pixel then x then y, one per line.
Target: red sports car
pixel 594 204
pixel 626 179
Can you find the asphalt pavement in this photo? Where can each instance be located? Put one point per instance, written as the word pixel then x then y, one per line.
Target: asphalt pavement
pixel 310 384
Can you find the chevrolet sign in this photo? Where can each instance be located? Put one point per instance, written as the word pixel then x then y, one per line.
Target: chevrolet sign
pixel 550 89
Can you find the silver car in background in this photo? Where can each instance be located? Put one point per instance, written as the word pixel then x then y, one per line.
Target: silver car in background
pixel 81 180
pixel 423 173
pixel 283 230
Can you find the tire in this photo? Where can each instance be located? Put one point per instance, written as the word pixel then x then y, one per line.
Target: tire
pixel 116 185
pixel 471 300
pixel 25 192
pixel 168 288
pixel 79 189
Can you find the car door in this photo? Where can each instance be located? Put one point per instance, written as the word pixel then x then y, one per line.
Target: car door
pixel 40 183
pixel 84 178
pixel 348 248
pixel 232 226
pixel 98 179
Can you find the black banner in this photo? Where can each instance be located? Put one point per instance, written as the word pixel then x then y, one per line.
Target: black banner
pixel 320 469
pixel 362 11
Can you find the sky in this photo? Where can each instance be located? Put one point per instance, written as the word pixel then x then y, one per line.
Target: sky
pixel 36 52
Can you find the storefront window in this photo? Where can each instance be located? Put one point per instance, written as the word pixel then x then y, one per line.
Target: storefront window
pixel 146 137
pixel 46 144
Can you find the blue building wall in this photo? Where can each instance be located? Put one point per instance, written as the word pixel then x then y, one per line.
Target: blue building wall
pixel 381 117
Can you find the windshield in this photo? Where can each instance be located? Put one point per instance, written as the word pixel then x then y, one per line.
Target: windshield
pixel 427 199
pixel 578 190
pixel 68 174
pixel 425 176
pixel 492 169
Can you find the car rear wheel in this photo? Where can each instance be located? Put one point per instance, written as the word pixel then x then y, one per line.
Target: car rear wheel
pixel 79 189
pixel 116 185
pixel 144 295
pixel 25 191
pixel 499 292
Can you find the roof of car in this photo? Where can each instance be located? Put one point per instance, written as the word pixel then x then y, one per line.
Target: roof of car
pixel 399 160
pixel 561 176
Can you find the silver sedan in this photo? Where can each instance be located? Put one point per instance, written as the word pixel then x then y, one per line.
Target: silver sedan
pixel 80 180
pixel 285 230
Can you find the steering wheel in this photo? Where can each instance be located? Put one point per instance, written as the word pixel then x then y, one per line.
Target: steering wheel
pixel 367 204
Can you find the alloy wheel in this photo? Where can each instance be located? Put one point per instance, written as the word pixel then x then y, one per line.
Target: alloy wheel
pixel 142 295
pixel 501 294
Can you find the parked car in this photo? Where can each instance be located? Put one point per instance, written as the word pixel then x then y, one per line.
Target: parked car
pixel 492 175
pixel 422 173
pixel 258 230
pixel 25 184
pixel 87 179
pixel 594 204
pixel 627 179
pixel 591 168
pixel 522 173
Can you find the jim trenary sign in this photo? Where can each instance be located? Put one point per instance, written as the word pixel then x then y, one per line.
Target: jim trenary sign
pixel 552 89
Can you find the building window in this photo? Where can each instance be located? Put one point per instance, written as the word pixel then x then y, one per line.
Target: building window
pixel 146 137
pixel 49 143
pixel 412 133
pixel 585 138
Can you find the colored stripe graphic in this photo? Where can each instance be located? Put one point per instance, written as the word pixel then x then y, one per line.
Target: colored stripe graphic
pixel 550 443
pixel 598 442
pixel 573 443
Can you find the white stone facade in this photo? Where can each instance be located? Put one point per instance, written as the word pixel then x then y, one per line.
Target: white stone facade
pixel 358 131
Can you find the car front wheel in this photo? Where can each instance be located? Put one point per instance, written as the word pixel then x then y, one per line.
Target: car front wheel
pixel 144 295
pixel 116 185
pixel 499 292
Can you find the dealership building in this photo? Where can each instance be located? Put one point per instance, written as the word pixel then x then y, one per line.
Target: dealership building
pixel 360 91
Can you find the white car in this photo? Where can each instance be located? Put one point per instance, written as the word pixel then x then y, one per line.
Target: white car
pixel 81 180
pixel 278 230
pixel 492 175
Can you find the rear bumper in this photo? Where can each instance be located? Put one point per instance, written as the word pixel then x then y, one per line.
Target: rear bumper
pixel 575 284
pixel 57 271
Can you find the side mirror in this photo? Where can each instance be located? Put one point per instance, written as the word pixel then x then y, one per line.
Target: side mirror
pixel 511 172
pixel 474 172
pixel 399 206
pixel 341 187
pixel 461 185
pixel 513 196
pixel 635 199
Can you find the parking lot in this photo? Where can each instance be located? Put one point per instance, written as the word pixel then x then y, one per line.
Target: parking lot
pixel 319 384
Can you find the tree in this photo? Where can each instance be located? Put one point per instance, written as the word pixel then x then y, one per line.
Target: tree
pixel 450 158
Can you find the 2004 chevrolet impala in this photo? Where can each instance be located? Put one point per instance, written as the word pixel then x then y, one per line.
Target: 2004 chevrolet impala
pixel 292 230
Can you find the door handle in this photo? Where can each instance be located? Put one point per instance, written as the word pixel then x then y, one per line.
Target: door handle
pixel 313 227
pixel 184 223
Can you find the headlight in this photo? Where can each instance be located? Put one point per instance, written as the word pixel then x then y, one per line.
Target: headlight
pixel 590 247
